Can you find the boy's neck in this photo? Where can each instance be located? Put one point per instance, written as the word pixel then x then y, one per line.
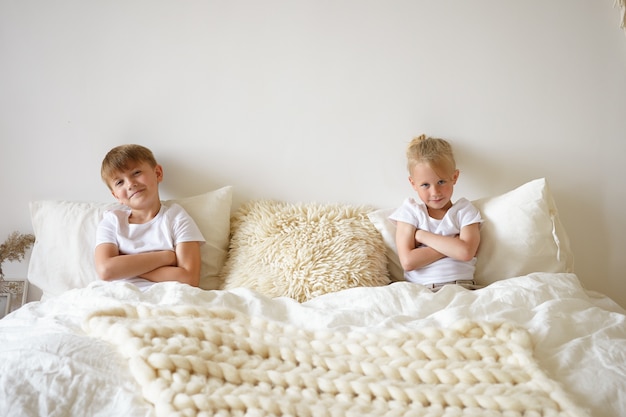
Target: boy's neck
pixel 143 216
pixel 439 214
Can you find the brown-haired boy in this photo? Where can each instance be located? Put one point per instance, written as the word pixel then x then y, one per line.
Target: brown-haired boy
pixel 144 242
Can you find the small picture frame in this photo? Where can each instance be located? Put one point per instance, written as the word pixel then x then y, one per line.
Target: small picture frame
pixel 5 303
pixel 16 292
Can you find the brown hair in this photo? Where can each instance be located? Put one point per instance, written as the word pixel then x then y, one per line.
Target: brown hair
pixel 433 151
pixel 121 157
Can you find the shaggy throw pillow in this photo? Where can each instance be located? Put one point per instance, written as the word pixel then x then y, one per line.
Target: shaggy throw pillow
pixel 303 250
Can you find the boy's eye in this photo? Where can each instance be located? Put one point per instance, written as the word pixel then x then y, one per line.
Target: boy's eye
pixel 118 183
pixel 441 182
pixel 136 173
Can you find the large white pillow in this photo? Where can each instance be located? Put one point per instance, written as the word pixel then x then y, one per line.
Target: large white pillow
pixel 303 250
pixel 521 234
pixel 65 232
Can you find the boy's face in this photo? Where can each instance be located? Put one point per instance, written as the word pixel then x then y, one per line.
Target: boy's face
pixel 138 186
pixel 434 191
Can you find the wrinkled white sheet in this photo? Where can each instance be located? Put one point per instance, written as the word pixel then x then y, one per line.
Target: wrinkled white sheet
pixel 49 367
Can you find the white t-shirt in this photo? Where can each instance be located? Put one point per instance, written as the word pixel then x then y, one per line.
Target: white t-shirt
pixel 461 214
pixel 171 226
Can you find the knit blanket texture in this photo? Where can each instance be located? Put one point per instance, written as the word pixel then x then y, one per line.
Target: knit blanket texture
pixel 196 361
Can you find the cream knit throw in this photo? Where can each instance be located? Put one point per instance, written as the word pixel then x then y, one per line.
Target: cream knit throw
pixel 192 361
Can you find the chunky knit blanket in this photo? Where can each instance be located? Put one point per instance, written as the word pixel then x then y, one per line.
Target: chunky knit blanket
pixel 193 361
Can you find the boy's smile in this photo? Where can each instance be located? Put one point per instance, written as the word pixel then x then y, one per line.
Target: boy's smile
pixel 135 193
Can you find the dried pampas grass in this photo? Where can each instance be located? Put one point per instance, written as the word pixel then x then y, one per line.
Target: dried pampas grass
pixel 15 247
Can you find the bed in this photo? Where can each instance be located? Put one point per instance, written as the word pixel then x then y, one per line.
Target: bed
pixel 303 311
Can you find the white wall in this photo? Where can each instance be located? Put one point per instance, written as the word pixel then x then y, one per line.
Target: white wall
pixel 315 101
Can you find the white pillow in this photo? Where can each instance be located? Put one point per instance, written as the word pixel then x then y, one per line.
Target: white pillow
pixel 303 250
pixel 521 234
pixel 65 232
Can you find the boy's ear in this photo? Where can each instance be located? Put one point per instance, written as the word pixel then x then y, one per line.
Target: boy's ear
pixel 456 176
pixel 158 170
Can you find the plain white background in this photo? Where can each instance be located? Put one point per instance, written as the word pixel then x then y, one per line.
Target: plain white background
pixel 316 100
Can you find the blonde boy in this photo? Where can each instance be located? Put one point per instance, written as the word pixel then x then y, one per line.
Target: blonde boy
pixel 437 240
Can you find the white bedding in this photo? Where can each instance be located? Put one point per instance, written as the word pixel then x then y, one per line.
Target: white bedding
pixel 49 366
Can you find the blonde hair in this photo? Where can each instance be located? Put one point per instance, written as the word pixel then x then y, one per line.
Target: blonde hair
pixel 432 151
pixel 121 157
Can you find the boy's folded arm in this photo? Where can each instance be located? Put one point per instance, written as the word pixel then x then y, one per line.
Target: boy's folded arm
pixel 412 257
pixel 462 247
pixel 112 265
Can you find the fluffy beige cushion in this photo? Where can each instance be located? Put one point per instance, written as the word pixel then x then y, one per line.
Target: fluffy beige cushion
pixel 303 250
pixel 65 232
pixel 521 234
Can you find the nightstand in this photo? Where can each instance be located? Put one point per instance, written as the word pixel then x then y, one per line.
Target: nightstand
pixel 13 295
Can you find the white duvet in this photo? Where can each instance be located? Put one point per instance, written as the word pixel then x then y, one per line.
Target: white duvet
pixel 50 367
